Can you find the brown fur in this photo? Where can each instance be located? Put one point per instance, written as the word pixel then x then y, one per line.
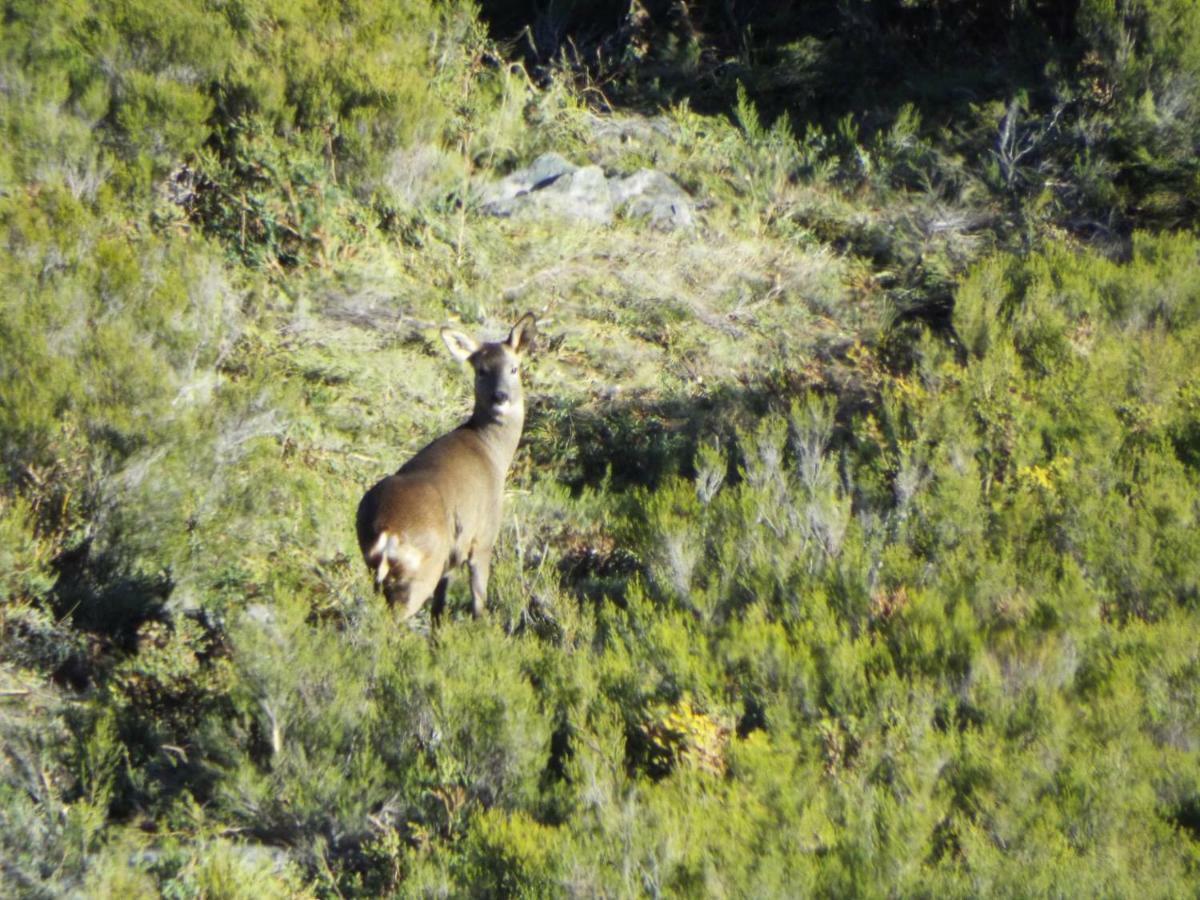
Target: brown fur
pixel 442 508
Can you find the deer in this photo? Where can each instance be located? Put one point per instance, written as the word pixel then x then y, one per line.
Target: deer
pixel 442 508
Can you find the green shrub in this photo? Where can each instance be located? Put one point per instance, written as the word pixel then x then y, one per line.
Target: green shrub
pixel 509 855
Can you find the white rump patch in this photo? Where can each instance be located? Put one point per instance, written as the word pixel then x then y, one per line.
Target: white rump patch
pixel 393 555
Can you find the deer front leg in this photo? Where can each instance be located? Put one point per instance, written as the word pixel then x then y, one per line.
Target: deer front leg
pixel 479 564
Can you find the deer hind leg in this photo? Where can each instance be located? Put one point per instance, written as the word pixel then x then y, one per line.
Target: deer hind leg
pixel 419 590
pixel 410 591
pixel 480 565
pixel 439 600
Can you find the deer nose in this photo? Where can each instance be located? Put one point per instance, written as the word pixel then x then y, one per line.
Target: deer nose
pixel 500 398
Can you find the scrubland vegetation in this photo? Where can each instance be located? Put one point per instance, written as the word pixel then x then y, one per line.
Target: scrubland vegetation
pixel 852 546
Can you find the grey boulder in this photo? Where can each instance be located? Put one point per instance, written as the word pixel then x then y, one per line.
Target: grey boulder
pixel 552 187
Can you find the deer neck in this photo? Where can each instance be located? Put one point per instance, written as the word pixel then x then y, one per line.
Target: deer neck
pixel 499 434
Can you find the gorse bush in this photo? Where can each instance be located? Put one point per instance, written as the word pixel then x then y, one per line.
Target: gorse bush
pixel 852 548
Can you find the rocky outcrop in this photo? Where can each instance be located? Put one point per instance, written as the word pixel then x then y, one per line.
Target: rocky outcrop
pixel 554 187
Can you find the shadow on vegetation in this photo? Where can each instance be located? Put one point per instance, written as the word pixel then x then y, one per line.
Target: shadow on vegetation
pixel 625 447
pixel 102 597
pixel 1186 815
pixel 795 57
pixel 637 441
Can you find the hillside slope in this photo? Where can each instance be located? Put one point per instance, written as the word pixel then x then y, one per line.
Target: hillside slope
pixel 851 548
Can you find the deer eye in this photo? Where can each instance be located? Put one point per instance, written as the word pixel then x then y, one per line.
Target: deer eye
pixel 513 370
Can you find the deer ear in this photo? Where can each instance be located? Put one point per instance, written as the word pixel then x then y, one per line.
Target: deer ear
pixel 459 345
pixel 522 334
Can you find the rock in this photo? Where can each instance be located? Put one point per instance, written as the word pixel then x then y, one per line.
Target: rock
pixel 547 168
pixel 652 195
pixel 502 198
pixel 582 195
pixel 553 187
